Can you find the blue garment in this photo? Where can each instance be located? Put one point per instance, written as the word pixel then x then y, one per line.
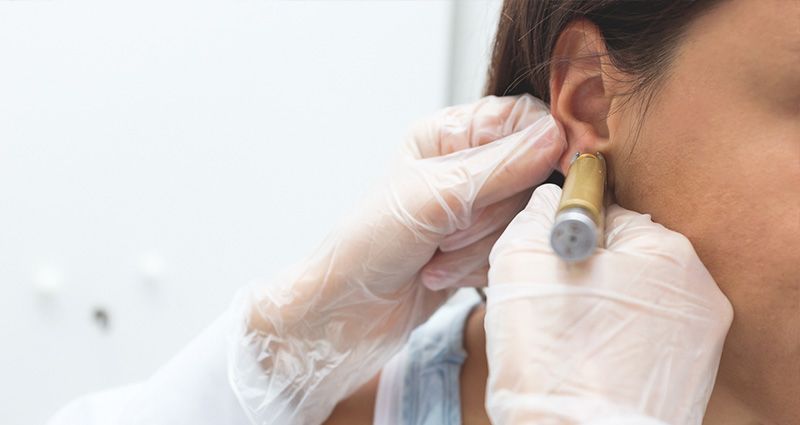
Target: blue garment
pixel 424 377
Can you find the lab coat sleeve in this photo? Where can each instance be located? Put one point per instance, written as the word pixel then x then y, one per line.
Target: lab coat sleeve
pixel 192 388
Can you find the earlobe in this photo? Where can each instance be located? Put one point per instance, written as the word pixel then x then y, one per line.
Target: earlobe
pixel 580 95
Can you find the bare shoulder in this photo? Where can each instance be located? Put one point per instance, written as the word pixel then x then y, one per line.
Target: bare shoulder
pixel 475 371
pixel 357 409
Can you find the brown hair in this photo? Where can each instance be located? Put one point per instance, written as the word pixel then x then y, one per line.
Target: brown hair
pixel 640 37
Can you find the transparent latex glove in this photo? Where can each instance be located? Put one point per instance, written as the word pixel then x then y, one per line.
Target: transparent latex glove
pixel 312 336
pixel 632 335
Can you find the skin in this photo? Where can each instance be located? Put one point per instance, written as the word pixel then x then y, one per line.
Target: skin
pixel 718 160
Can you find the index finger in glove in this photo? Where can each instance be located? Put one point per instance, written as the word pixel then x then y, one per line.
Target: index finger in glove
pixel 526 241
pixel 529 231
pixel 631 232
pixel 625 230
pixel 443 192
pixel 466 126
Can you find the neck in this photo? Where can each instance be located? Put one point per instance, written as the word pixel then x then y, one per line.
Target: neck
pixel 725 408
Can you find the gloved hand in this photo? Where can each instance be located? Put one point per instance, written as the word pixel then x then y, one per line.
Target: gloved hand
pixel 314 335
pixel 632 335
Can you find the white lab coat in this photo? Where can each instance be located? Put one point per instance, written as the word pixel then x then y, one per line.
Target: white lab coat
pixel 192 388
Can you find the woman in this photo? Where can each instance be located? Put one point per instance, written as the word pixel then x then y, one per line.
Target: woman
pixel 659 87
pixel 706 143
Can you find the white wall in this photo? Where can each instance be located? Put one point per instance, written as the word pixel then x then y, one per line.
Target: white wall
pixel 157 155
pixel 472 31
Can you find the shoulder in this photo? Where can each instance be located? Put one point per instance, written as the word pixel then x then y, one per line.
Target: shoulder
pixel 474 371
pixel 359 408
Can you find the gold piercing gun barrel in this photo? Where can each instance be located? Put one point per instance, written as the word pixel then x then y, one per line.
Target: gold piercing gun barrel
pixel 580 217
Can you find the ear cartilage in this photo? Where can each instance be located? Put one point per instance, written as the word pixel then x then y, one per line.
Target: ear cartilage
pixel 578 226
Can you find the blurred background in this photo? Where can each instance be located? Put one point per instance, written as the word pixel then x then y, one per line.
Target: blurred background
pixel 157 155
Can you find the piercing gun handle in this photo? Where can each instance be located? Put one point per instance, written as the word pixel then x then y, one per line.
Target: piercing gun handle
pixel 580 217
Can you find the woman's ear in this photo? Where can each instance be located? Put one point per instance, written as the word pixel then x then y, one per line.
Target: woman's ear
pixel 581 89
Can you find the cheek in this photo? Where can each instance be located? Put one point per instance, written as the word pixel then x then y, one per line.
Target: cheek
pixel 722 171
pixel 725 175
pixel 731 189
